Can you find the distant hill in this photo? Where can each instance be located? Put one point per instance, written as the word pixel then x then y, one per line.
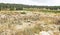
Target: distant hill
pixel 21 6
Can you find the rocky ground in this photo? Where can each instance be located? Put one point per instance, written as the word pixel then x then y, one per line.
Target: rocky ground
pixel 29 23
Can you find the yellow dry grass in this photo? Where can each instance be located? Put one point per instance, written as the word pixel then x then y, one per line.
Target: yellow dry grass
pixel 15 23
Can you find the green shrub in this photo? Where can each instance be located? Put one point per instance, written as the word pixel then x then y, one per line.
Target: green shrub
pixel 23 12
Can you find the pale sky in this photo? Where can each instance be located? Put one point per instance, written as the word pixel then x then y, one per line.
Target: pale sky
pixel 34 2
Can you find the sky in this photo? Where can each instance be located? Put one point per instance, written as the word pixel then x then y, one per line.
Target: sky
pixel 34 2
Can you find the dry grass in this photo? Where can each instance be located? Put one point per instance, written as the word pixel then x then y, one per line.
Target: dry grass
pixel 29 23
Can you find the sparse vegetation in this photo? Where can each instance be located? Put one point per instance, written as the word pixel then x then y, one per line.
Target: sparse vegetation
pixel 28 25
pixel 19 21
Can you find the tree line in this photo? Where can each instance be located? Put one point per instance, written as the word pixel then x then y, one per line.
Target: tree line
pixel 21 6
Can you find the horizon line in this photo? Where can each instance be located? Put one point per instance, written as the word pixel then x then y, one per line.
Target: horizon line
pixel 30 4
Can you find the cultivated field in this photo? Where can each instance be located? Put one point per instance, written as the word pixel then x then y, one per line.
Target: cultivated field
pixel 29 23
